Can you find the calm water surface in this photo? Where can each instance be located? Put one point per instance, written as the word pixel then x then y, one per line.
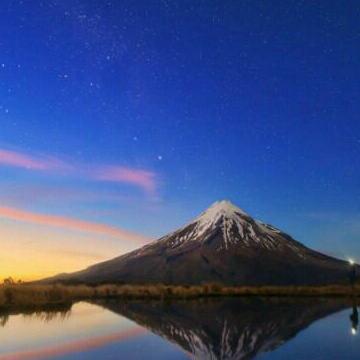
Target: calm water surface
pixel 207 329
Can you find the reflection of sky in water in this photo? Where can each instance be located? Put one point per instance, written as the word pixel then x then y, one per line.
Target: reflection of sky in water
pixel 86 322
pixel 329 338
pixel 143 347
pixel 91 332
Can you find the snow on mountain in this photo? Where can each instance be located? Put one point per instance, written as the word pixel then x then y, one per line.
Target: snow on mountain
pixel 236 225
pixel 223 244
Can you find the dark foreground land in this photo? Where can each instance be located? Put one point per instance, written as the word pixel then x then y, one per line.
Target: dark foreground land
pixel 24 296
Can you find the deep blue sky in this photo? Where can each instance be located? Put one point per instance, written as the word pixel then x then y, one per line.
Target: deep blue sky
pixel 254 101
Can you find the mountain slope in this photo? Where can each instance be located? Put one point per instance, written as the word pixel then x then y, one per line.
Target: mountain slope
pixel 224 244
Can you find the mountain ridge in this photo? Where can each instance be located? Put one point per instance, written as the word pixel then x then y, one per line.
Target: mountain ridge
pixel 223 244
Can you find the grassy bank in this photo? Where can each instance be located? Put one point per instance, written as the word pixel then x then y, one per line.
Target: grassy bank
pixel 31 296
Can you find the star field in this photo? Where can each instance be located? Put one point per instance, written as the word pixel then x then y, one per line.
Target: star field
pixel 139 114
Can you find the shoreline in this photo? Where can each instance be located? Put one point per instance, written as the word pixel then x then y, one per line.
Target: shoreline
pixel 34 296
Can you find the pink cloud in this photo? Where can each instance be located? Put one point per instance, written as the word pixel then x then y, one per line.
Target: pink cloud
pixel 71 224
pixel 141 178
pixel 25 161
pixel 74 346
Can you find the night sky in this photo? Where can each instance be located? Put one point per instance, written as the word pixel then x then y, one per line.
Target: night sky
pixel 121 120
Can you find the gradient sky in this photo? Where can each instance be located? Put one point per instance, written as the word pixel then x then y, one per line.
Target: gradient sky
pixel 121 120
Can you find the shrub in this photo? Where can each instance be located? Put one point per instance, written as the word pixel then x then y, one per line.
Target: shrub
pixel 9 295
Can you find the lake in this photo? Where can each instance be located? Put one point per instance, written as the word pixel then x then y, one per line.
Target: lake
pixel 230 328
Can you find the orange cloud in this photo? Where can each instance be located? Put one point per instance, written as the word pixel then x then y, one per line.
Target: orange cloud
pixel 142 178
pixel 71 224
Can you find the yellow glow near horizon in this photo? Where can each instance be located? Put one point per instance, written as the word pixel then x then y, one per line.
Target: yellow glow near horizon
pixel 30 252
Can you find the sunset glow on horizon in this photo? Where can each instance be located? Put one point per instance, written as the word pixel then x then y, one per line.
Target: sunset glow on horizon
pixel 44 245
pixel 36 252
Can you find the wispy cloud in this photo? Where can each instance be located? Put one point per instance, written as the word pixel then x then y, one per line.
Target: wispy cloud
pixel 74 347
pixel 71 224
pixel 143 179
pixel 30 162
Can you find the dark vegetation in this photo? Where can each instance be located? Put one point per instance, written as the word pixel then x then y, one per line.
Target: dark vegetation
pixel 29 296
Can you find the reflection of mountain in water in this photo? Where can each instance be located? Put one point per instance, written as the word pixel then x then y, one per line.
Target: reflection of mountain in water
pixel 226 329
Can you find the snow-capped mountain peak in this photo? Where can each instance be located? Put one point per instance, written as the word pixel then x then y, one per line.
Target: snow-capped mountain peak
pixel 234 224
pixel 221 208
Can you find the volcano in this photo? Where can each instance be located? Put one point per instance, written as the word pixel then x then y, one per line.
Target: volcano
pixel 224 244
